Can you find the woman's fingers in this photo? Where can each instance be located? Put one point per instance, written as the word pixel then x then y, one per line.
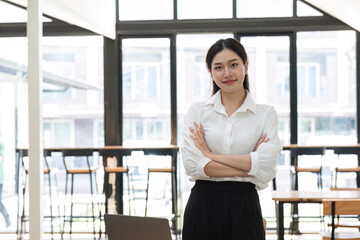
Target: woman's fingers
pixel 199 130
pixel 263 137
pixel 202 129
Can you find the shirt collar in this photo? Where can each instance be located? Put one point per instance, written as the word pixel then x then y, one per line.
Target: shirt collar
pixel 218 106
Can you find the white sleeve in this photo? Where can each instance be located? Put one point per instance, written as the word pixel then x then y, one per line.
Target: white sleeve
pixel 264 159
pixel 193 159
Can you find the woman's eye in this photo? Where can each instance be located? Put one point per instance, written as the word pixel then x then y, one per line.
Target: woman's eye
pixel 234 64
pixel 218 68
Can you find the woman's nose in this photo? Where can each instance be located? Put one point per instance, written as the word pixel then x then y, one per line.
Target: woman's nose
pixel 227 71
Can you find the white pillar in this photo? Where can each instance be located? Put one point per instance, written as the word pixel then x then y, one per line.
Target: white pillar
pixel 34 34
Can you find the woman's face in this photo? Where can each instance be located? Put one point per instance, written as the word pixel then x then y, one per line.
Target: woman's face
pixel 228 71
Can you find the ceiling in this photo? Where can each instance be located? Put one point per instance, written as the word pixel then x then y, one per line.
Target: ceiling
pixel 347 11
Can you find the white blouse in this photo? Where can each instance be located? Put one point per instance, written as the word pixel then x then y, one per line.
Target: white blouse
pixel 237 134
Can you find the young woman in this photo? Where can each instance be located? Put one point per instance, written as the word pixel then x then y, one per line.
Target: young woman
pixel 230 147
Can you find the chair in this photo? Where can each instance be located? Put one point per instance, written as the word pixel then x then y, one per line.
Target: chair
pixel 343 223
pixel 354 169
pixel 168 170
pixel 48 173
pixel 298 168
pixel 154 170
pixel 111 167
pixel 73 167
pixel 340 207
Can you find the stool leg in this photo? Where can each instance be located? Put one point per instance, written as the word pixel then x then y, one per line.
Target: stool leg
pixel 64 217
pixel 22 224
pixel 51 213
pixel 92 202
pixel 147 193
pixel 128 182
pixel 296 180
pixel 132 190
pixel 58 205
pixel 174 204
pixel 71 205
pixel 106 189
pixel 336 174
pixel 98 203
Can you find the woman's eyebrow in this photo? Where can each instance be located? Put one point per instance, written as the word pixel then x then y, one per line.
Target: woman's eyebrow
pixel 232 60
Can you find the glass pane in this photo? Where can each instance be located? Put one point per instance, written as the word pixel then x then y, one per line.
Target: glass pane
pixel 305 10
pixel 145 10
pixel 146 91
pixel 264 8
pixel 67 62
pixel 269 74
pixel 73 113
pixel 200 9
pixel 11 14
pixel 70 115
pixel 326 88
pixel 8 196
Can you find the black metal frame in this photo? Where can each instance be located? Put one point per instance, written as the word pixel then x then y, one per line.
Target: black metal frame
pixel 170 28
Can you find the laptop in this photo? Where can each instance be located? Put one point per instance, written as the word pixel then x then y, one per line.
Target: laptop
pixel 123 227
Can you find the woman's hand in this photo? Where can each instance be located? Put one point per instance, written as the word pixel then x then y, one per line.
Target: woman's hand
pixel 198 135
pixel 261 140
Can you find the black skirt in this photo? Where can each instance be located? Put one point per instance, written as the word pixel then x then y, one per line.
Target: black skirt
pixel 223 211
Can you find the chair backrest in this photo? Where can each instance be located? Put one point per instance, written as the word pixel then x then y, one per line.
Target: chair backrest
pixel 80 158
pixel 341 207
pixel 313 156
pixel 335 207
pixel 310 151
pixel 346 150
pixel 344 189
pixel 25 160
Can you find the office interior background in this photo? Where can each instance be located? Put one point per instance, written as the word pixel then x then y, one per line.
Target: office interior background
pixel 135 90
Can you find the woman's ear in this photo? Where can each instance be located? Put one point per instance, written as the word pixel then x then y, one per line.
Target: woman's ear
pixel 246 67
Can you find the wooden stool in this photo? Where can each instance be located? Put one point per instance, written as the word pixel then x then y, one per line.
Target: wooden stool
pixel 159 170
pixel 154 170
pixel 48 173
pixel 90 170
pixel 297 168
pixel 113 168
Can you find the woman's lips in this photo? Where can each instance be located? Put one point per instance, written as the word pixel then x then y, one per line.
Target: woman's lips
pixel 229 82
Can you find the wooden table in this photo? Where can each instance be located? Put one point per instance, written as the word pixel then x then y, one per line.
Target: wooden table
pixel 281 197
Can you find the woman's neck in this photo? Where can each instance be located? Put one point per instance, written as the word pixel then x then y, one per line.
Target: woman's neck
pixel 232 101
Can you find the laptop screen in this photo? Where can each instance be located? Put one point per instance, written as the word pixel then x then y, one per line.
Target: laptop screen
pixel 123 227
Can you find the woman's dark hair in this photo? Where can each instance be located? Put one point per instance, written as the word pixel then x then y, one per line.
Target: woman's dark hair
pixel 220 45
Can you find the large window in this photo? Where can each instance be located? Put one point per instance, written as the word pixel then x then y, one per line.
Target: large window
pixel 326 88
pixel 145 10
pixel 72 102
pixel 146 88
pixel 269 76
